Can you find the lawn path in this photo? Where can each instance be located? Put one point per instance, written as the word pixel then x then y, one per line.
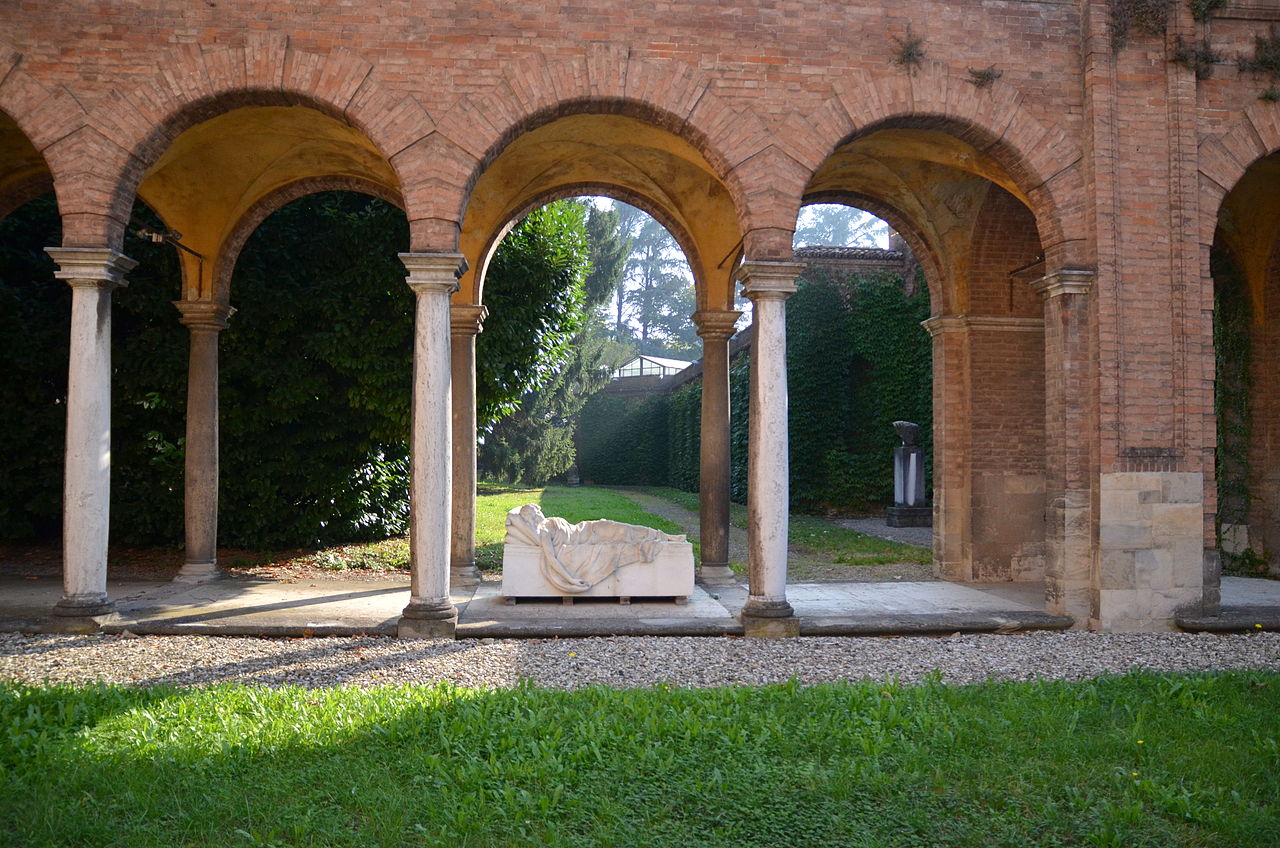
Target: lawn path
pixel 803 565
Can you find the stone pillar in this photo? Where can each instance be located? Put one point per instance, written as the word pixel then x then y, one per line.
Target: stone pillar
pixel 92 273
pixel 766 612
pixel 715 328
pixel 1069 420
pixel 465 322
pixel 952 496
pixel 430 613
pixel 205 320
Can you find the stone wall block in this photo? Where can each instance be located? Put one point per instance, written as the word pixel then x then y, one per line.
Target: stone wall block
pixel 1153 569
pixel 1124 535
pixel 1117 569
pixel 1182 487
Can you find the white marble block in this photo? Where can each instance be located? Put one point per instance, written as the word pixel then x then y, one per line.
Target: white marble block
pixel 548 557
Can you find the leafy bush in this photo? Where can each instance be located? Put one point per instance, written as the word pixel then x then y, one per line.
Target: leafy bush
pixel 315 373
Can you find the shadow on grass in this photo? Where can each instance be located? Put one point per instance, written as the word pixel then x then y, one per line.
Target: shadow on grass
pixel 849 764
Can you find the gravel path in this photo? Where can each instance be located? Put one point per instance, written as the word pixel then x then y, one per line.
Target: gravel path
pixel 620 661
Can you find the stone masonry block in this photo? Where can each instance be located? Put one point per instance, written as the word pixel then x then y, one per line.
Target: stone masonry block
pixel 1131 535
pixel 1153 569
pixel 1117 569
pixel 1182 487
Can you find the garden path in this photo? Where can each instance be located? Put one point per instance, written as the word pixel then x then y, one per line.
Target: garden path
pixel 803 565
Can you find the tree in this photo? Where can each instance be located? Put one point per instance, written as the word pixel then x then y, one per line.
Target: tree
pixel 535 291
pixel 535 443
pixel 830 224
pixel 655 294
pixel 316 370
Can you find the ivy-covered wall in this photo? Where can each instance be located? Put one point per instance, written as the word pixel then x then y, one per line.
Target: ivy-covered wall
pixel 857 360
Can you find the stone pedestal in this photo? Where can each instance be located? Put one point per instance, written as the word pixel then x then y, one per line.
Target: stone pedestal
pixel 205 320
pixel 465 323
pixel 430 613
pixel 715 328
pixel 92 274
pixel 768 285
pixel 909 508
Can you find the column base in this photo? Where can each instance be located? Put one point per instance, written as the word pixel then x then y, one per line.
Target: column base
pixel 769 619
pixel 84 606
pixel 769 628
pixel 909 516
pixel 757 607
pixel 464 575
pixel 80 615
pixel 199 572
pixel 716 574
pixel 428 620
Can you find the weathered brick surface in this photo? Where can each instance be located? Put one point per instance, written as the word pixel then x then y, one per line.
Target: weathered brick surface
pixel 1122 160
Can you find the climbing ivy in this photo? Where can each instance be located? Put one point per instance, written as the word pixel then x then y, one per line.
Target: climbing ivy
pixel 1233 384
pixel 857 361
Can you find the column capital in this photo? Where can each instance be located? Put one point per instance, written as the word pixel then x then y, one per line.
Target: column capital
pixel 467 319
pixel 204 314
pixel 1064 281
pixel 716 325
pixel 991 323
pixel 95 267
pixel 434 272
pixel 769 280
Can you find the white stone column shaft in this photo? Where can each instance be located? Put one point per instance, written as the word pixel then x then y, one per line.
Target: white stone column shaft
pixel 92 274
pixel 466 322
pixel 768 285
pixel 430 613
pixel 205 320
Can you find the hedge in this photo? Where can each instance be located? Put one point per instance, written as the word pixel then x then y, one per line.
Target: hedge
pixel 857 360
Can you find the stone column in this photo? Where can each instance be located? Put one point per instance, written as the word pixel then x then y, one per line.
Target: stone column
pixel 92 273
pixel 465 322
pixel 766 612
pixel 715 328
pixel 430 613
pixel 205 320
pixel 1069 544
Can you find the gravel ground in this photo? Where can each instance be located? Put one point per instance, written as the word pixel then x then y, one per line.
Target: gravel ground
pixel 620 662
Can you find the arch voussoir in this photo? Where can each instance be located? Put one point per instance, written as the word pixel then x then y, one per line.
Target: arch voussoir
pixel 1265 120
pixel 391 122
pixel 435 174
pixel 44 114
pixel 607 65
pixel 332 78
pixel 672 86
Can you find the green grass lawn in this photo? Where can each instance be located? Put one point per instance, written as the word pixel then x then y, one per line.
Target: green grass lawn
pixel 1138 760
pixel 820 536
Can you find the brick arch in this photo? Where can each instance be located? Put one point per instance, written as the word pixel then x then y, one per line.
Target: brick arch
pixel 604 79
pixel 135 125
pixel 1224 159
pixel 929 259
pixel 649 207
pixel 49 117
pixel 272 202
pixel 1040 158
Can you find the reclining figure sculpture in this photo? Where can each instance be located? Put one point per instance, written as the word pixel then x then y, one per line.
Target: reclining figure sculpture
pixel 576 557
